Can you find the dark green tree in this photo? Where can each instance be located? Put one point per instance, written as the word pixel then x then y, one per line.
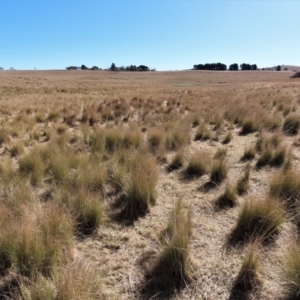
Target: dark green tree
pixel 234 67
pixel 113 67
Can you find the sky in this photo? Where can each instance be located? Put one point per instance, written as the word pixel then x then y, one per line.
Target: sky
pixel 162 34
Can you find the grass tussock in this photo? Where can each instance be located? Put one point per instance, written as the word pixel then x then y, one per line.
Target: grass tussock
pixel 4 137
pixel 291 124
pixel 203 133
pixel 85 207
pixel 273 158
pixel 32 165
pixel 177 161
pixel 243 184
pixel 221 153
pixel 88 212
pixel 156 139
pixel 77 280
pixel 176 139
pixel 139 186
pixel 259 220
pixel 228 138
pixel 249 125
pixel 249 153
pixel 228 198
pixel 35 245
pixel 219 170
pixel 172 270
pixel 248 278
pixel 198 164
pixel 17 149
pixel 290 270
pixel 286 187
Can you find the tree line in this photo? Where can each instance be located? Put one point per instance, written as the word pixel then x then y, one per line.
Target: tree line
pixel 222 67
pixel 113 67
pixel 213 66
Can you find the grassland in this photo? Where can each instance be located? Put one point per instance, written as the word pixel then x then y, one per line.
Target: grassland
pixel 160 185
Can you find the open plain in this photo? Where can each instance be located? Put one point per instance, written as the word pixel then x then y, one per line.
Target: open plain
pixel 149 185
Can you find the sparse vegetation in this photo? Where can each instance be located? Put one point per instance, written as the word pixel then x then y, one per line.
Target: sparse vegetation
pixel 86 183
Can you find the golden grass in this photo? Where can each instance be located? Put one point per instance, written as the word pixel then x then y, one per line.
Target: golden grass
pixel 79 148
pixel 259 219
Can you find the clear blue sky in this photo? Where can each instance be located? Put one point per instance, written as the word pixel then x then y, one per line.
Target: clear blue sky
pixel 162 34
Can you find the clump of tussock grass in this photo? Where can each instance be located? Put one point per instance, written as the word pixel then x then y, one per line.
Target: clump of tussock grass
pixel 260 143
pixel 139 186
pixel 286 186
pixel 249 153
pixel 290 270
pixel 113 140
pixel 258 220
pixel 132 139
pixel 95 139
pixel 155 139
pixel 59 168
pixel 198 164
pixel 202 133
pixel 176 139
pixel 90 175
pixel 119 167
pixel 88 212
pixel 77 280
pixel 17 149
pixel 69 117
pixel 217 121
pixel 53 116
pixel 61 128
pixel 219 170
pixel 271 122
pixel 35 245
pixel 85 207
pixel 228 198
pixel 291 124
pixel 32 164
pixel 216 137
pixel 286 110
pixel 7 173
pixel 280 156
pixel 272 153
pixel 177 161
pixel 7 247
pixel 195 121
pixel 243 184
pixel 228 137
pixel 4 137
pixel 249 125
pixel 248 278
pixel 173 269
pixel 40 117
pixel 265 158
pixel 221 153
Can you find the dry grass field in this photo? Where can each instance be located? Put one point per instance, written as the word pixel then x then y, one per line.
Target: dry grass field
pixel 159 185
